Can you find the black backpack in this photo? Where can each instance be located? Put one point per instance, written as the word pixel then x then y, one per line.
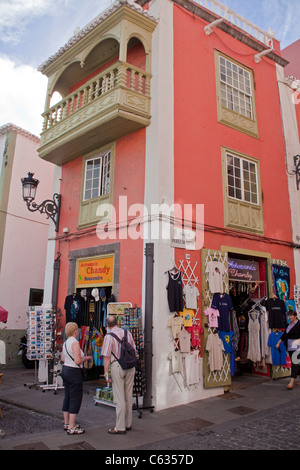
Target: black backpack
pixel 127 359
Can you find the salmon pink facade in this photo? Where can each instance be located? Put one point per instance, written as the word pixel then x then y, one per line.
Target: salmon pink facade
pixel 169 135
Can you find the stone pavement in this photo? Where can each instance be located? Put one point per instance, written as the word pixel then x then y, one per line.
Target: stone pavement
pixel 257 414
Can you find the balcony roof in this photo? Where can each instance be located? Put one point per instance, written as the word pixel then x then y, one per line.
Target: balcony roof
pixel 90 26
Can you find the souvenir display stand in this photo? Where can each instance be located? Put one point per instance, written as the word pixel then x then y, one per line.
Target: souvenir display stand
pixel 129 319
pixel 41 346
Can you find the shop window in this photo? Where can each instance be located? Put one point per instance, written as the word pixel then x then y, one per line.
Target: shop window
pixel 235 95
pixel 242 192
pixel 97 184
pixel 36 297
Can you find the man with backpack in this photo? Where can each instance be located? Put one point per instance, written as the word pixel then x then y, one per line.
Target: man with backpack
pixel 119 353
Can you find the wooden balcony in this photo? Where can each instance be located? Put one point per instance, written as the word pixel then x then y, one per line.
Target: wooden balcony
pixel 112 104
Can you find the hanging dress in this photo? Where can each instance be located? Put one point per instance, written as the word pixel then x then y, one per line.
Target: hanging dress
pixel 254 350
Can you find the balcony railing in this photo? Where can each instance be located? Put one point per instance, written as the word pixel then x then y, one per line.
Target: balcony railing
pixel 237 20
pixel 117 76
pixel 107 107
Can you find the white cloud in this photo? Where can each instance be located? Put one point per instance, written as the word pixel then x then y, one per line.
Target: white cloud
pixel 16 14
pixel 23 92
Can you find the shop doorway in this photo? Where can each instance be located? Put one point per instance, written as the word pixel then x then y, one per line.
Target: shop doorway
pixel 248 289
pixel 94 309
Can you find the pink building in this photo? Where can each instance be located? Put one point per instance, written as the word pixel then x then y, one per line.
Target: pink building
pixel 23 234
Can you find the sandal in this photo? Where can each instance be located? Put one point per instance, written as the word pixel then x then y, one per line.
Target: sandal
pixel 66 426
pixel 76 430
pixel 115 431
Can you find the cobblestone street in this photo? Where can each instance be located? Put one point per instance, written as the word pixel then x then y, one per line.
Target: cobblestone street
pixel 275 429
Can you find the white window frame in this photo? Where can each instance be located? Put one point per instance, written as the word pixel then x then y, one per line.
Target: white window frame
pixel 241 178
pixel 103 186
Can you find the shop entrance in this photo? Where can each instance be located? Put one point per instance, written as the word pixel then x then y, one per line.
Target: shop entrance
pixel 248 290
pixel 95 303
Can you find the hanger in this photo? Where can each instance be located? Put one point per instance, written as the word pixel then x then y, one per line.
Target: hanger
pixel 174 268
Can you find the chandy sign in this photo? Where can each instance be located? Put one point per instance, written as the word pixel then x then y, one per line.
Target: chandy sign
pixel 243 270
pixel 93 272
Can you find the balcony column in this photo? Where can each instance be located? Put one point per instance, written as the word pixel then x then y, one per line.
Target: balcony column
pixel 123 46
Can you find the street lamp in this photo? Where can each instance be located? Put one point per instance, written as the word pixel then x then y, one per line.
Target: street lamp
pixel 49 207
pixel 297 170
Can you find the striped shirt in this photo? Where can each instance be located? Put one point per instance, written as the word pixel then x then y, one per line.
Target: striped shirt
pixel 112 346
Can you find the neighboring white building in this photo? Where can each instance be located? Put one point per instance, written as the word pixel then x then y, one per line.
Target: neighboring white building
pixel 289 90
pixel 23 234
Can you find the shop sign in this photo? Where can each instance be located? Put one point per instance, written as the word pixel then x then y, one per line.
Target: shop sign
pixel 93 272
pixel 243 270
pixel 183 238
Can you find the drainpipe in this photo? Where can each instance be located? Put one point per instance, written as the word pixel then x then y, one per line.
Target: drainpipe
pixel 149 253
pixel 56 267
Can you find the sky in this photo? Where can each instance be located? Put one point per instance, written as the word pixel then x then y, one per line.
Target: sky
pixel 33 30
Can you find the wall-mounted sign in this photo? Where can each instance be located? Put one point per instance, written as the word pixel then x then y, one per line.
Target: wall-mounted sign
pixel 92 272
pixel 183 238
pixel 243 270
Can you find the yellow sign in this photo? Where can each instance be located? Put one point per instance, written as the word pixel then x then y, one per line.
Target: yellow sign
pixel 93 272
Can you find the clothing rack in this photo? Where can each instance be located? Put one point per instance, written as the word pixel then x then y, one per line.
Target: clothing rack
pixel 257 303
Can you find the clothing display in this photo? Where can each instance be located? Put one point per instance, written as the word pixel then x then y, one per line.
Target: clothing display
pixel 187 314
pixel 192 368
pixel 191 295
pixel 74 306
pixel 215 348
pixel 176 365
pixel 175 324
pixel 278 354
pixel 213 315
pixel 185 328
pixel 281 281
pixel 175 291
pixel 254 350
pixel 227 338
pixel 196 332
pixel 184 340
pixel 277 312
pixel 216 273
pixel 223 303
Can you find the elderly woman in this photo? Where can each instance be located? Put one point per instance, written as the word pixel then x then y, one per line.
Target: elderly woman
pixel 291 338
pixel 73 358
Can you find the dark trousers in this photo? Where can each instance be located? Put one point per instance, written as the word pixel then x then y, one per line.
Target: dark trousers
pixel 295 360
pixel 73 383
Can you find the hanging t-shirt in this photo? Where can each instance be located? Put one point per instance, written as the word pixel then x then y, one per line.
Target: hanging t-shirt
pixel 185 341
pixel 74 305
pixel 175 294
pixel 175 324
pixel 191 294
pixel 227 338
pixel 215 348
pixel 228 342
pixel 196 331
pixel 176 361
pixel 192 367
pixel 213 315
pixel 278 354
pixel 277 313
pixel 216 272
pixel 223 303
pixel 187 316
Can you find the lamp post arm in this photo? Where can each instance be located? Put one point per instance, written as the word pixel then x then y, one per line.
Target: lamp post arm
pixel 49 207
